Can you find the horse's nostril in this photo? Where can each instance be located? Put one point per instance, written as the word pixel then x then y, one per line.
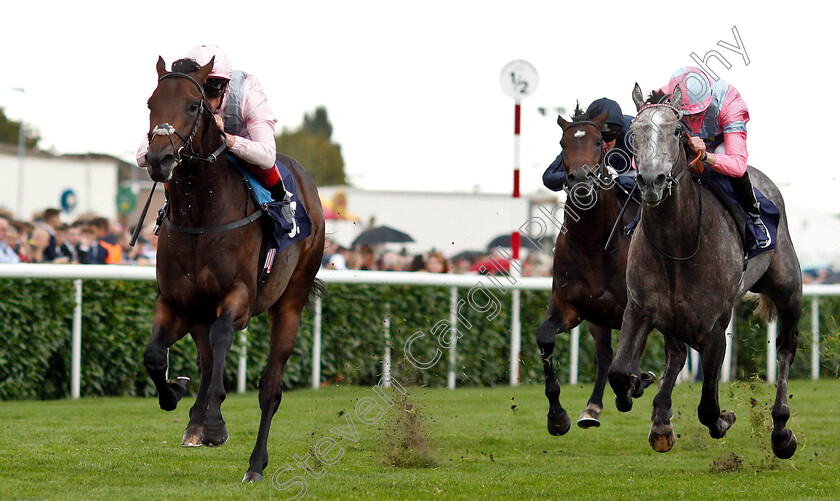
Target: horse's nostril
pixel 660 179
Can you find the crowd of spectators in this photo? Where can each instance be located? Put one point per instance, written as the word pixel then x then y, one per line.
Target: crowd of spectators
pixel 98 240
pixel 88 240
pixel 380 258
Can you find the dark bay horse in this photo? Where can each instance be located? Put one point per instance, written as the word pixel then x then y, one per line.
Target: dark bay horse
pixel 210 258
pixel 588 280
pixel 686 271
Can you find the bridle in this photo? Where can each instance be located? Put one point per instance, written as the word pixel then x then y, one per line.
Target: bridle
pixel 167 130
pixel 598 174
pixel 672 179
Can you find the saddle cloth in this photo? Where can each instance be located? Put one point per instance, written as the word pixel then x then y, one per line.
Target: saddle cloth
pixel 279 233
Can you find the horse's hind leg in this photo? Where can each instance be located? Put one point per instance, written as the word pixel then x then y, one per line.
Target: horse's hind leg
pixel 194 434
pixel 285 320
pixel 782 439
pixel 167 328
pixel 561 316
pixel 661 436
pixel 603 357
pixel 711 357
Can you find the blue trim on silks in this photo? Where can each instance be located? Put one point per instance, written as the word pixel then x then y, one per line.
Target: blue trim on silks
pixel 769 212
pixel 283 234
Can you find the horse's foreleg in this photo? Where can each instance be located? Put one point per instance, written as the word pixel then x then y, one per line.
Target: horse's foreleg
pixel 284 327
pixel 661 435
pixel 623 377
pixel 561 316
pixel 167 328
pixel 232 316
pixel 194 433
pixel 782 439
pixel 603 357
pixel 711 357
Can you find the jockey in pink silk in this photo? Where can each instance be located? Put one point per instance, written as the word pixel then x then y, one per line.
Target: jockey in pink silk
pixel 717 117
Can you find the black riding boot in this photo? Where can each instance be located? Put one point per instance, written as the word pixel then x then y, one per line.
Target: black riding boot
pixel 746 197
pixel 279 194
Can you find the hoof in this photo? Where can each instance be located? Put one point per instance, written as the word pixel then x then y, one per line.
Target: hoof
pixel 784 449
pixel 214 436
pixel 724 422
pixel 661 442
pixel 559 424
pixel 192 437
pixel 623 403
pixel 252 477
pixel 648 378
pixel 589 418
pixel 177 387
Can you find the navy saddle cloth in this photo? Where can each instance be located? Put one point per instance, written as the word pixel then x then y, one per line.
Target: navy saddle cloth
pixel 722 188
pixel 282 233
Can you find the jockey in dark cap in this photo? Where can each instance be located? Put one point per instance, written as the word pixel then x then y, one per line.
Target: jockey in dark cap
pixel 615 135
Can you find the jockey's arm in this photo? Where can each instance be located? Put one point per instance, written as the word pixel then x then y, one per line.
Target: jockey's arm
pixel 260 148
pixel 733 162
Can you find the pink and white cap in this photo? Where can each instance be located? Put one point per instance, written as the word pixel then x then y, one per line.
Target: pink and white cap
pixel 696 89
pixel 202 54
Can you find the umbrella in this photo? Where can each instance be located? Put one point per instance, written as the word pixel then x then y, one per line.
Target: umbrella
pixel 504 241
pixel 381 235
pixel 469 255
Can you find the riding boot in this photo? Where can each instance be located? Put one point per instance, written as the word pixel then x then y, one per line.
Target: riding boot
pixel 279 193
pixel 746 198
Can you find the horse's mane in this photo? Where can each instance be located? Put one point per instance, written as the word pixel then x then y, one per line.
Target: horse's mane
pixel 657 96
pixel 185 66
pixel 579 115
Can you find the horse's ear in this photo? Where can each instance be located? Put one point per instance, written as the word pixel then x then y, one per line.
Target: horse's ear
pixel 562 123
pixel 638 97
pixel 161 67
pixel 201 74
pixel 676 97
pixel 601 119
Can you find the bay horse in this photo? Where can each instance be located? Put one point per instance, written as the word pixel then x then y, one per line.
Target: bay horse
pixel 588 278
pixel 210 257
pixel 686 270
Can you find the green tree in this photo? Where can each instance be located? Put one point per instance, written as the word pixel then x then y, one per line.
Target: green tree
pixel 310 145
pixel 10 132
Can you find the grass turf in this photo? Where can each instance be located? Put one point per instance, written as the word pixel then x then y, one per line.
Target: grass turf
pixel 467 444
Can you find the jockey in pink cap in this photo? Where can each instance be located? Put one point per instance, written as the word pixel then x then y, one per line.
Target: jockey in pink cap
pixel 242 114
pixel 717 117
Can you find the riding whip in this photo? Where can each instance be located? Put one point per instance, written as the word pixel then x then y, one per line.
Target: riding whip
pixel 142 216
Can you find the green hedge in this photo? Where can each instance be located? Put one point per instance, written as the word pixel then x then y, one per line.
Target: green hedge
pixel 38 314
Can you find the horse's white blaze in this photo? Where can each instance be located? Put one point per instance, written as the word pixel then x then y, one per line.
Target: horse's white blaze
pixel 580 133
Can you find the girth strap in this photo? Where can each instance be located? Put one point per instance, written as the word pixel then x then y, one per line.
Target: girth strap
pixel 214 229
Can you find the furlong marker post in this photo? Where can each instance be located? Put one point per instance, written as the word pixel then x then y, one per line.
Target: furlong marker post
pixel 519 80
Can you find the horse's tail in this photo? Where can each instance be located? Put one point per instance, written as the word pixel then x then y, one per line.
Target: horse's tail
pixel 765 309
pixel 319 289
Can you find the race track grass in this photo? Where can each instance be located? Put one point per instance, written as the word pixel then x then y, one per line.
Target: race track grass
pixel 483 443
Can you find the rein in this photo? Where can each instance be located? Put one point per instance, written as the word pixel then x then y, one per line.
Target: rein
pixel 699 230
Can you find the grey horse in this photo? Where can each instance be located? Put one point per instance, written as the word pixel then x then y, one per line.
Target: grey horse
pixel 686 270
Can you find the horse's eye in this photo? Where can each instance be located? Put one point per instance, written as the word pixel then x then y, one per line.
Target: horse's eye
pixel 193 107
pixel 677 132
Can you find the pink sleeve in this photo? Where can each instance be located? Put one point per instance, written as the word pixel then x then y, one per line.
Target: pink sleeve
pixel 734 162
pixel 732 120
pixel 260 148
